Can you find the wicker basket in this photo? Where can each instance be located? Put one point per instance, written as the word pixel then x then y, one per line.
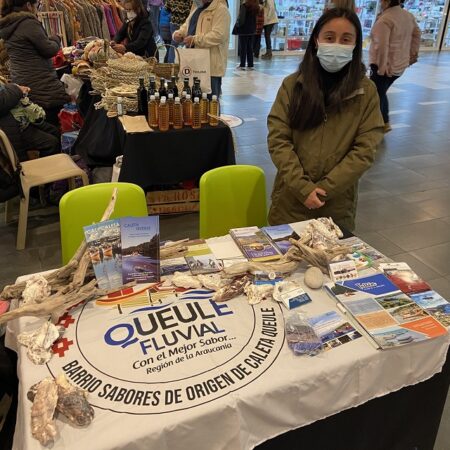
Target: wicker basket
pixel 165 70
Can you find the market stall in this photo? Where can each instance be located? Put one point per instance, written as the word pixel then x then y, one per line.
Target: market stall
pixel 171 368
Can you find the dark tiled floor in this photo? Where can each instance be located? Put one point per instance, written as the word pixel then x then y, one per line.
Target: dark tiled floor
pixel 404 199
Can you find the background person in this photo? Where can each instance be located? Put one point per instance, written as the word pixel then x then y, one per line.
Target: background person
pixel 270 20
pixel 245 28
pixel 24 134
pixel 208 26
pixel 179 12
pixel 30 51
pixel 154 7
pixel 324 126
pixel 347 4
pixel 136 34
pixel 395 41
pixel 164 30
pixel 259 30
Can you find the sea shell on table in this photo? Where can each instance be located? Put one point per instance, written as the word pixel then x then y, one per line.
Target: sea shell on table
pixel 37 288
pixel 43 427
pixel 182 279
pixel 257 292
pixel 321 234
pixel 313 278
pixel 235 288
pixel 72 403
pixel 213 281
pixel 40 341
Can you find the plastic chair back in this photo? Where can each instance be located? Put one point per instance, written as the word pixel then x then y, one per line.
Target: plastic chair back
pixel 232 197
pixel 86 205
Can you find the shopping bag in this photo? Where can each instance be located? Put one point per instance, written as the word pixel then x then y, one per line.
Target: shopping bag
pixel 195 62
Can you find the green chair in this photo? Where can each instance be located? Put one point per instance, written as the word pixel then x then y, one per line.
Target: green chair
pixel 232 197
pixel 86 205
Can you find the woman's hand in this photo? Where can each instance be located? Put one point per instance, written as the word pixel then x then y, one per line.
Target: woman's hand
pixel 189 41
pixel 177 37
pixel 25 89
pixel 119 48
pixel 313 201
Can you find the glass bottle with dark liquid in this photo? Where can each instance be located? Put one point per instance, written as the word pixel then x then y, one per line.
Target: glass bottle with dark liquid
pixel 162 88
pixel 174 86
pixel 142 98
pixel 186 87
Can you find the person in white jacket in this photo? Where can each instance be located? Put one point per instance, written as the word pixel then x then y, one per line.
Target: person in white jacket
pixel 395 41
pixel 208 26
pixel 270 20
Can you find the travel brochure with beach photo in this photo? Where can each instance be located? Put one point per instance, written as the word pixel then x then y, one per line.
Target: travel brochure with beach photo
pixel 140 249
pixel 387 315
pixel 124 250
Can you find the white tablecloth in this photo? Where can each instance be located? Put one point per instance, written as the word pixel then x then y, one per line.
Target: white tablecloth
pixel 229 394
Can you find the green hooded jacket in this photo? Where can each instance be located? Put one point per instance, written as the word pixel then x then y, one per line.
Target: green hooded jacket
pixel 332 156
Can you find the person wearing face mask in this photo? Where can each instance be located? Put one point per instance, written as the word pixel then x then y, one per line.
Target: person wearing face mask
pixel 208 26
pixel 394 46
pixel 324 126
pixel 136 34
pixel 30 50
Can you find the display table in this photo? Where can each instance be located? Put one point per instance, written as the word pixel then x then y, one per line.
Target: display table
pixel 169 373
pixel 154 158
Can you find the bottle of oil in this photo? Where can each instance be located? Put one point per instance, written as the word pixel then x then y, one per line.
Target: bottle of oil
pixel 163 115
pixel 183 97
pixel 170 103
pixel 142 98
pixel 177 114
pixel 187 110
pixel 214 111
pixel 186 86
pixel 196 115
pixel 162 88
pixel 204 108
pixel 151 87
pixel 157 97
pixel 174 86
pixel 152 112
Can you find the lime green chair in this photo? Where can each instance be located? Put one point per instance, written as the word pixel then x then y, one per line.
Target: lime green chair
pixel 86 205
pixel 232 197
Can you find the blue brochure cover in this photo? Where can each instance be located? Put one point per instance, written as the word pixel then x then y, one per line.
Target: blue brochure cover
pixel 280 235
pixel 140 249
pixel 376 285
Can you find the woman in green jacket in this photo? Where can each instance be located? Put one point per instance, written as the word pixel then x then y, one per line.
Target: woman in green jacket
pixel 324 126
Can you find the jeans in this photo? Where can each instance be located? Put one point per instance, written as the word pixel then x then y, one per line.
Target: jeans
pixel 246 49
pixel 383 83
pixel 154 19
pixel 173 28
pixel 216 86
pixel 267 32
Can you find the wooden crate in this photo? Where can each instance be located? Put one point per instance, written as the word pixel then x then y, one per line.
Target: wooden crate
pixel 173 201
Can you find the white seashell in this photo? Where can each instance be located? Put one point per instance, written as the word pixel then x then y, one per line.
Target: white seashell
pixel 213 281
pixel 40 341
pixel 182 279
pixel 43 427
pixel 36 289
pixel 313 278
pixel 258 292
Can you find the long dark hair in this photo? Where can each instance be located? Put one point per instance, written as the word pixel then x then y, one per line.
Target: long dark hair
pixel 9 6
pixel 138 8
pixel 252 6
pixel 307 105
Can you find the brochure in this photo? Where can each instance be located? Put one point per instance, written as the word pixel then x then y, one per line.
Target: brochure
pixel 389 316
pixel 172 265
pixel 342 270
pixel 333 330
pixel 419 290
pixel 254 244
pixel 140 249
pixel 280 235
pixel 363 254
pixel 200 258
pixel 103 242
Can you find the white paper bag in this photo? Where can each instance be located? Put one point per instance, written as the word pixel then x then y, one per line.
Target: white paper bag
pixel 195 62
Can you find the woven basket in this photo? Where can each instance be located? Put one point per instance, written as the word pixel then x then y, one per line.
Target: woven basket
pixel 165 70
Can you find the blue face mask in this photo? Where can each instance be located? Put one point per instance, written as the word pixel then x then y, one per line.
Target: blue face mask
pixel 333 57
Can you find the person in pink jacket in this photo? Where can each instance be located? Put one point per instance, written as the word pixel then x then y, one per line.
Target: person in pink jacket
pixel 395 41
